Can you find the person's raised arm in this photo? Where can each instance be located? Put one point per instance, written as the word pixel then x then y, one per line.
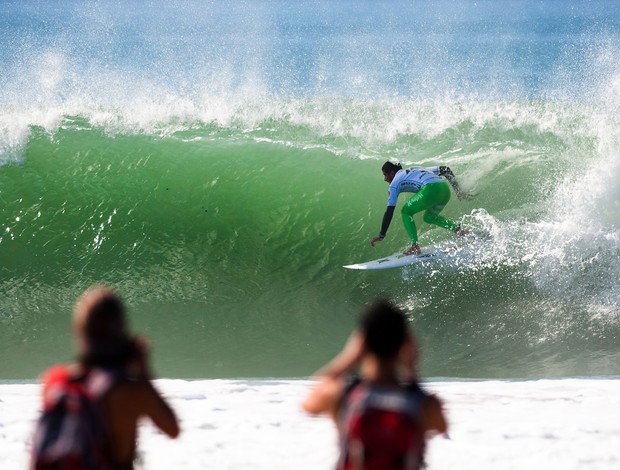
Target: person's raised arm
pixel 408 360
pixel 155 407
pixel 433 416
pixel 324 398
pixel 159 411
pixel 326 394
pixel 347 360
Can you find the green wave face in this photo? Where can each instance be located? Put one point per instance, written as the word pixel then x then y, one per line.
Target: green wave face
pixel 218 165
pixel 227 242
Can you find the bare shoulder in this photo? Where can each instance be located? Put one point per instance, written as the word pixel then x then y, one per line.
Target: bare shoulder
pixel 138 394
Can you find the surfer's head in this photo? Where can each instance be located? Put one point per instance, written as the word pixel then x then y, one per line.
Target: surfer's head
pixel 384 327
pixel 389 170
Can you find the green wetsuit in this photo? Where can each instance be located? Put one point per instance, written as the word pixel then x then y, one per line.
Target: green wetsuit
pixel 432 198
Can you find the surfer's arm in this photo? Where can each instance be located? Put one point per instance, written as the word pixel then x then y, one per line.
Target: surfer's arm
pixel 447 173
pixel 387 218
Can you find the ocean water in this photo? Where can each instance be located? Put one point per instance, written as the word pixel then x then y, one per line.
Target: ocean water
pixel 218 162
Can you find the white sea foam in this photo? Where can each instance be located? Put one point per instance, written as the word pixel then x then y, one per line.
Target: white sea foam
pixel 235 424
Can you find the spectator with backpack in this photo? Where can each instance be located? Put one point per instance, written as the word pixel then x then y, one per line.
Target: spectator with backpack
pixel 91 408
pixel 383 416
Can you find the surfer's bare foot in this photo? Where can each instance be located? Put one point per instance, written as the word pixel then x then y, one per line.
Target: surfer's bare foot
pixel 413 250
pixel 461 232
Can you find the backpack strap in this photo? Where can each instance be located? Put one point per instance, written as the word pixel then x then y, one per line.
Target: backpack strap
pixel 344 412
pixel 352 382
pixel 57 379
pixel 99 381
pixel 55 382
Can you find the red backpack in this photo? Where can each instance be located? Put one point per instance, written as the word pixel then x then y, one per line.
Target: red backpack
pixel 381 428
pixel 69 434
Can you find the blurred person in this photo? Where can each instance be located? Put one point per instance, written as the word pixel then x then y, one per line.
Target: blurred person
pixel 112 371
pixel 383 416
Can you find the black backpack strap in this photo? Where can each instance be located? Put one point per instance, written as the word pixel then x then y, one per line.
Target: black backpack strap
pixel 352 382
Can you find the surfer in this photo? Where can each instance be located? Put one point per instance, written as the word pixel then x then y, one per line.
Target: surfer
pixel 431 195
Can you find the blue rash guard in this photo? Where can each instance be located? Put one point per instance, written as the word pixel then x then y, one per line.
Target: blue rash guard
pixel 412 180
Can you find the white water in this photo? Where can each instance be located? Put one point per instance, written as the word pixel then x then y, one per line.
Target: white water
pixel 546 424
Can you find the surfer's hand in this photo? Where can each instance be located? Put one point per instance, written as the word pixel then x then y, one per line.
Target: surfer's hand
pixel 375 240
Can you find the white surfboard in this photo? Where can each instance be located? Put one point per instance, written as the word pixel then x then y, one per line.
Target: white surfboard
pixel 431 254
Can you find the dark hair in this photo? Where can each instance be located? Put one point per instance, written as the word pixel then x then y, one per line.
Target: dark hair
pixel 106 318
pixel 105 330
pixel 385 329
pixel 389 167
